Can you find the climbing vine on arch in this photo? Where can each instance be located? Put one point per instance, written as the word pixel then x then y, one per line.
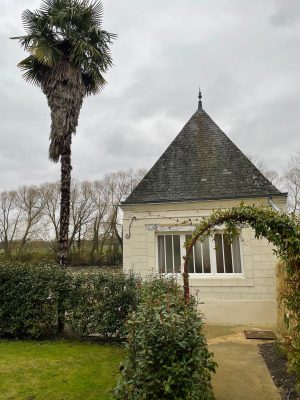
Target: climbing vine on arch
pixel 280 229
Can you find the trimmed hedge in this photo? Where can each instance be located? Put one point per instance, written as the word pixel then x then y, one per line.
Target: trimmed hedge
pixel 101 302
pixel 29 299
pixel 167 355
pixel 32 296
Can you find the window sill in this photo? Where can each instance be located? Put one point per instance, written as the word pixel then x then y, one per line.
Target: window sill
pixel 216 280
pixel 217 276
pixel 207 276
pixel 221 280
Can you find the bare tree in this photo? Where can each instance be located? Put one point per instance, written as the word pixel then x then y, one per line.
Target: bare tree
pixel 120 185
pixel 50 194
pixel 9 220
pixel 32 213
pixel 291 179
pixel 273 176
pixel 31 205
pixel 100 199
pixel 81 211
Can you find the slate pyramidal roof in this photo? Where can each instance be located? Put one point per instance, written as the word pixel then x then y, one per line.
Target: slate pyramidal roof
pixel 201 163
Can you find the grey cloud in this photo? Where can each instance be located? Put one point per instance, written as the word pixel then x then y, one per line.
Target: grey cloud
pixel 271 131
pixel 247 69
pixel 287 13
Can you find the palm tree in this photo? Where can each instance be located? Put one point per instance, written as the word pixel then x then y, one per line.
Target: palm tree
pixel 68 54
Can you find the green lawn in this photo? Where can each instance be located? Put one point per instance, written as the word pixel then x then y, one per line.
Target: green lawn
pixel 57 370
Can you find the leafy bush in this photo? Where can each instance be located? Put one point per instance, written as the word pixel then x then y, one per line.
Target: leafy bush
pixel 100 302
pixel 167 355
pixel 29 299
pixel 33 297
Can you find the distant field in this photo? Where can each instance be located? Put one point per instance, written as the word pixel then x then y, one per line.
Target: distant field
pixel 58 370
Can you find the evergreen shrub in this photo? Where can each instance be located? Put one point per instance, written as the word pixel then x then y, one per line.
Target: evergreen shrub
pixel 167 356
pixel 100 303
pixel 29 299
pixel 33 296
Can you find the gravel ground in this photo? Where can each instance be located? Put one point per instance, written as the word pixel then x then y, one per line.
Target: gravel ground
pixel 277 365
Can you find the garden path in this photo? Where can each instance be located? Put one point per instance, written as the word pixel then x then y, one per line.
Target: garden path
pixel 242 373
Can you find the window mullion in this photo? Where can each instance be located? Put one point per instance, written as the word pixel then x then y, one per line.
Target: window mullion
pixel 224 265
pixel 202 258
pixel 182 250
pixel 232 258
pixel 194 258
pixel 165 248
pixel 212 255
pixel 173 268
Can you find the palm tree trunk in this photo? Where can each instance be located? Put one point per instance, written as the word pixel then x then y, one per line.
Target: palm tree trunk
pixel 65 190
pixel 65 90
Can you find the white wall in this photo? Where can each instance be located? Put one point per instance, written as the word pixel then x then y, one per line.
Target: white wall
pixel 247 299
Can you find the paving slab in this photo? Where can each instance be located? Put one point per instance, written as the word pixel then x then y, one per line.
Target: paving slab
pixel 242 373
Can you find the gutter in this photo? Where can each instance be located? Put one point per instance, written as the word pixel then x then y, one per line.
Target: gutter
pixel 125 203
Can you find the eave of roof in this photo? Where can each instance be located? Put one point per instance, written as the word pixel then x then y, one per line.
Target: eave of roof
pixel 281 194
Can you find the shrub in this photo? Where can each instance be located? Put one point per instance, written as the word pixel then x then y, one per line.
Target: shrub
pixel 29 299
pixel 167 355
pixel 100 302
pixel 32 297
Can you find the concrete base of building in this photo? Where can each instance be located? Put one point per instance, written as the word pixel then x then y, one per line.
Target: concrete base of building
pixel 239 312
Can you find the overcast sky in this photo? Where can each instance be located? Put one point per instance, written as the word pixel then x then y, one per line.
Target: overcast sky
pixel 244 54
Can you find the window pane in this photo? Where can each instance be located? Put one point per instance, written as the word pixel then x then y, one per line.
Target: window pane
pixel 227 254
pixel 236 255
pixel 191 262
pixel 206 256
pixel 219 253
pixel 198 257
pixel 161 254
pixel 169 254
pixel 177 256
pixel 191 259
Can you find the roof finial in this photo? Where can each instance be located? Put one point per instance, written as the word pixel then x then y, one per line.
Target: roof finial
pixel 200 100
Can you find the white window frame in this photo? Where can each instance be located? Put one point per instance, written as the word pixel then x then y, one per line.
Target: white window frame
pixel 213 262
pixel 165 255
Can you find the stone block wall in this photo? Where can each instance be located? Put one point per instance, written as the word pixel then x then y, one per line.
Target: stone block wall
pixel 250 298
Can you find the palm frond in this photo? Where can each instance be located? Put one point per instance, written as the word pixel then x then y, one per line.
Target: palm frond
pixel 97 11
pixel 24 41
pixel 29 20
pixel 94 81
pixel 46 54
pixel 33 71
pixel 69 30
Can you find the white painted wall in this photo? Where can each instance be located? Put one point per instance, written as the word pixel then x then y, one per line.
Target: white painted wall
pixel 248 299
